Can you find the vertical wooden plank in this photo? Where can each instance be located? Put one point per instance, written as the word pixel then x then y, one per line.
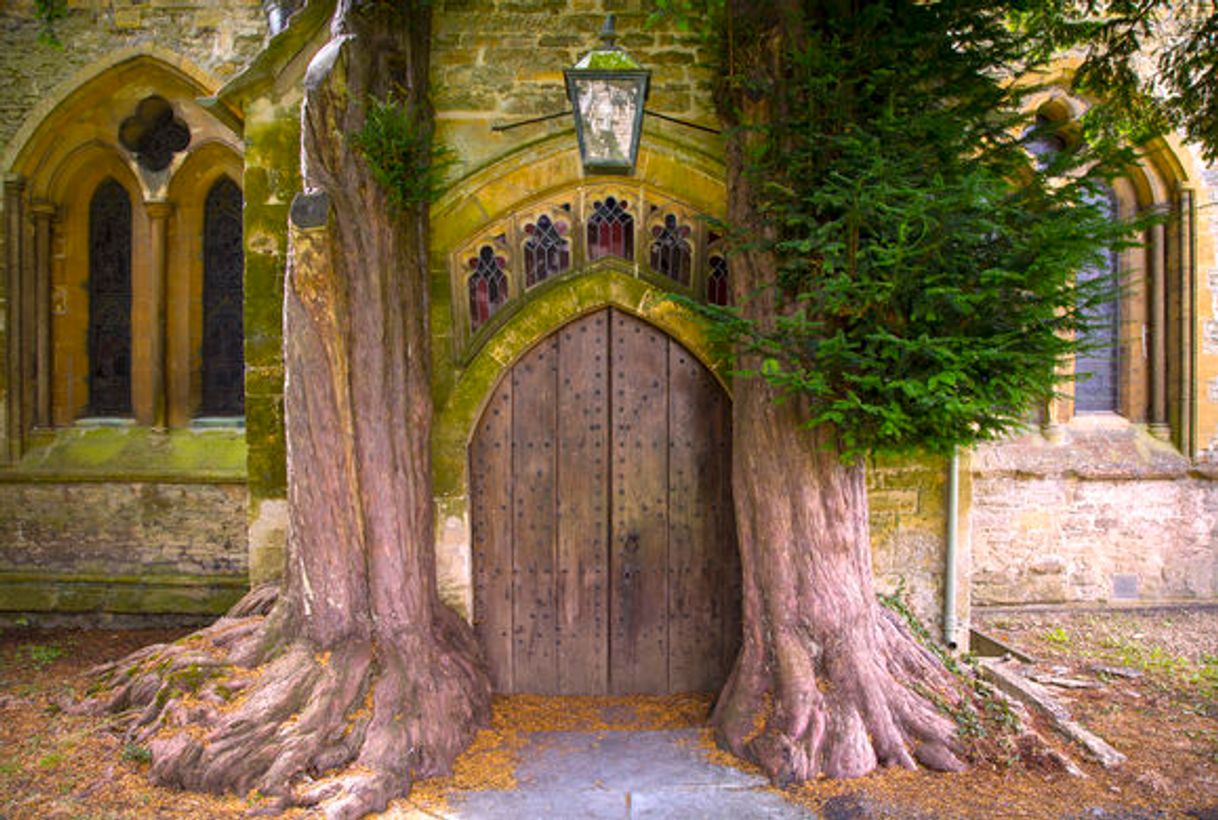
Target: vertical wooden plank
pixel 695 554
pixel 638 648
pixel 490 483
pixel 583 506
pixel 534 401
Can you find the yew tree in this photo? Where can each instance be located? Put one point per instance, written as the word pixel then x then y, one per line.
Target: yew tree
pixel 906 237
pixel 359 680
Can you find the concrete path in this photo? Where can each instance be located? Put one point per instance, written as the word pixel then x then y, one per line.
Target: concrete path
pixel 619 775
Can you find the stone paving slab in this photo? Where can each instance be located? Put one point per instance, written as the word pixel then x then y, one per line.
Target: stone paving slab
pixel 620 775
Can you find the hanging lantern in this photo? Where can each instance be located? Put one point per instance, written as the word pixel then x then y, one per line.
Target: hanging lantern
pixel 608 89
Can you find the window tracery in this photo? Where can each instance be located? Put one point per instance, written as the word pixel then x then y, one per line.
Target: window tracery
pixel 671 253
pixel 547 250
pixel 610 229
pixel 488 285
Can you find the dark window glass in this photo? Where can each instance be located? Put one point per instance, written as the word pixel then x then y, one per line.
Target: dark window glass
pixel 610 230
pixel 671 254
pixel 154 133
pixel 488 287
pixel 110 301
pixel 546 250
pixel 1097 366
pixel 223 303
pixel 717 292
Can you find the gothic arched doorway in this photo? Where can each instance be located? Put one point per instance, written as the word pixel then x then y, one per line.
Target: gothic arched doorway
pixel 604 545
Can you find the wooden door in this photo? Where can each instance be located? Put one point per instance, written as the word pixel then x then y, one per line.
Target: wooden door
pixel 605 557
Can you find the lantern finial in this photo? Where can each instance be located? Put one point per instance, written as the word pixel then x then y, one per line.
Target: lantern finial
pixel 608 35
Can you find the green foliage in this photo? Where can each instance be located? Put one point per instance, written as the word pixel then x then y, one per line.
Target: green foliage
pixel 986 712
pixel 1154 62
pixel 47 13
pixel 396 143
pixel 1058 636
pixel 912 259
pixel 43 655
pixel 137 753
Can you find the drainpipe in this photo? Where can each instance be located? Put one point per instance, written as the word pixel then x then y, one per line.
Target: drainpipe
pixel 949 569
pixel 277 14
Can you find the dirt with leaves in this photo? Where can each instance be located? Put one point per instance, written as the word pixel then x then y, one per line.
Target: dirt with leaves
pixel 1145 680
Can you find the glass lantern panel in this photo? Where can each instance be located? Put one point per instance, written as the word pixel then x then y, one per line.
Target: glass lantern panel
pixel 608 108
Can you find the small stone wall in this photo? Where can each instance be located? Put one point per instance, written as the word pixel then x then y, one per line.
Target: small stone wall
pixel 139 547
pixel 1106 514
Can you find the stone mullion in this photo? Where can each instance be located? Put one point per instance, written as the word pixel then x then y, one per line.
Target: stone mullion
pixel 1184 210
pixel 14 234
pixel 1159 426
pixel 44 227
pixel 177 349
pixel 154 409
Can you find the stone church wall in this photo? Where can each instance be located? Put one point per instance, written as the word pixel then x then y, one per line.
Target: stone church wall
pixel 120 520
pixel 1105 515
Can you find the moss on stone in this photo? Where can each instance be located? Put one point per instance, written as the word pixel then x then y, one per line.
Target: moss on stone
pixel 134 454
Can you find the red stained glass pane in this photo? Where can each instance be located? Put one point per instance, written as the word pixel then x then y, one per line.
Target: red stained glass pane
pixel 488 288
pixel 717 292
pixel 610 230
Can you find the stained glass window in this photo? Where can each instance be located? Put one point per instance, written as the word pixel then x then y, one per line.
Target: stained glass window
pixel 546 250
pixel 488 286
pixel 717 292
pixel 223 331
pixel 110 300
pixel 610 229
pixel 671 254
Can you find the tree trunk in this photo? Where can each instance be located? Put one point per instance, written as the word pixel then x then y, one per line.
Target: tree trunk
pixel 828 681
pixel 359 666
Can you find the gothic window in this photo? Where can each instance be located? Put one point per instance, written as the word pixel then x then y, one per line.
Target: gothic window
pixel 488 287
pixel 110 300
pixel 223 303
pixel 547 252
pixel 717 292
pixel 671 254
pixel 1096 366
pixel 610 230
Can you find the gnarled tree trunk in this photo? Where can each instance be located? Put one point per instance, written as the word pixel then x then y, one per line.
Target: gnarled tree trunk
pixel 359 670
pixel 828 681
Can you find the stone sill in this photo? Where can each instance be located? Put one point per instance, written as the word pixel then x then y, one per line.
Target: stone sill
pixel 108 452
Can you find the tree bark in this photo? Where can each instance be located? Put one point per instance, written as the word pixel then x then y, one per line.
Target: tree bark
pixel 359 670
pixel 828 681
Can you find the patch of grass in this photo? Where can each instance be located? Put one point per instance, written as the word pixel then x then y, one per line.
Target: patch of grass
pixel 50 761
pixel 1057 636
pixel 137 753
pixel 43 655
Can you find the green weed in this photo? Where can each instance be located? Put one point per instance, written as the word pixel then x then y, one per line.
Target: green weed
pixel 43 655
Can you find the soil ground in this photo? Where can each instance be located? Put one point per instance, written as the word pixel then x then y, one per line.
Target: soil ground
pixel 1151 690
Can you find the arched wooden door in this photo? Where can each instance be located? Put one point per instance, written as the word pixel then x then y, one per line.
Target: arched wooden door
pixel 605 556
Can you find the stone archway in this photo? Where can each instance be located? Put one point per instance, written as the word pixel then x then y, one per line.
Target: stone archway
pixel 603 541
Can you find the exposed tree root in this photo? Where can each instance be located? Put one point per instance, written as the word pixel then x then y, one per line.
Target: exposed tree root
pixel 345 731
pixel 839 709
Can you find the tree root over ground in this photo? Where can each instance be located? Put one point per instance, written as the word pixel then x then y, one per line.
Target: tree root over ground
pixel 230 709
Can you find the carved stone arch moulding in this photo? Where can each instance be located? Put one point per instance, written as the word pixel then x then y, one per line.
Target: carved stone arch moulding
pixel 627 226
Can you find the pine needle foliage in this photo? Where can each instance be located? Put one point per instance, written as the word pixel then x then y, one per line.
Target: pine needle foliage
pixel 925 242
pixel 409 168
